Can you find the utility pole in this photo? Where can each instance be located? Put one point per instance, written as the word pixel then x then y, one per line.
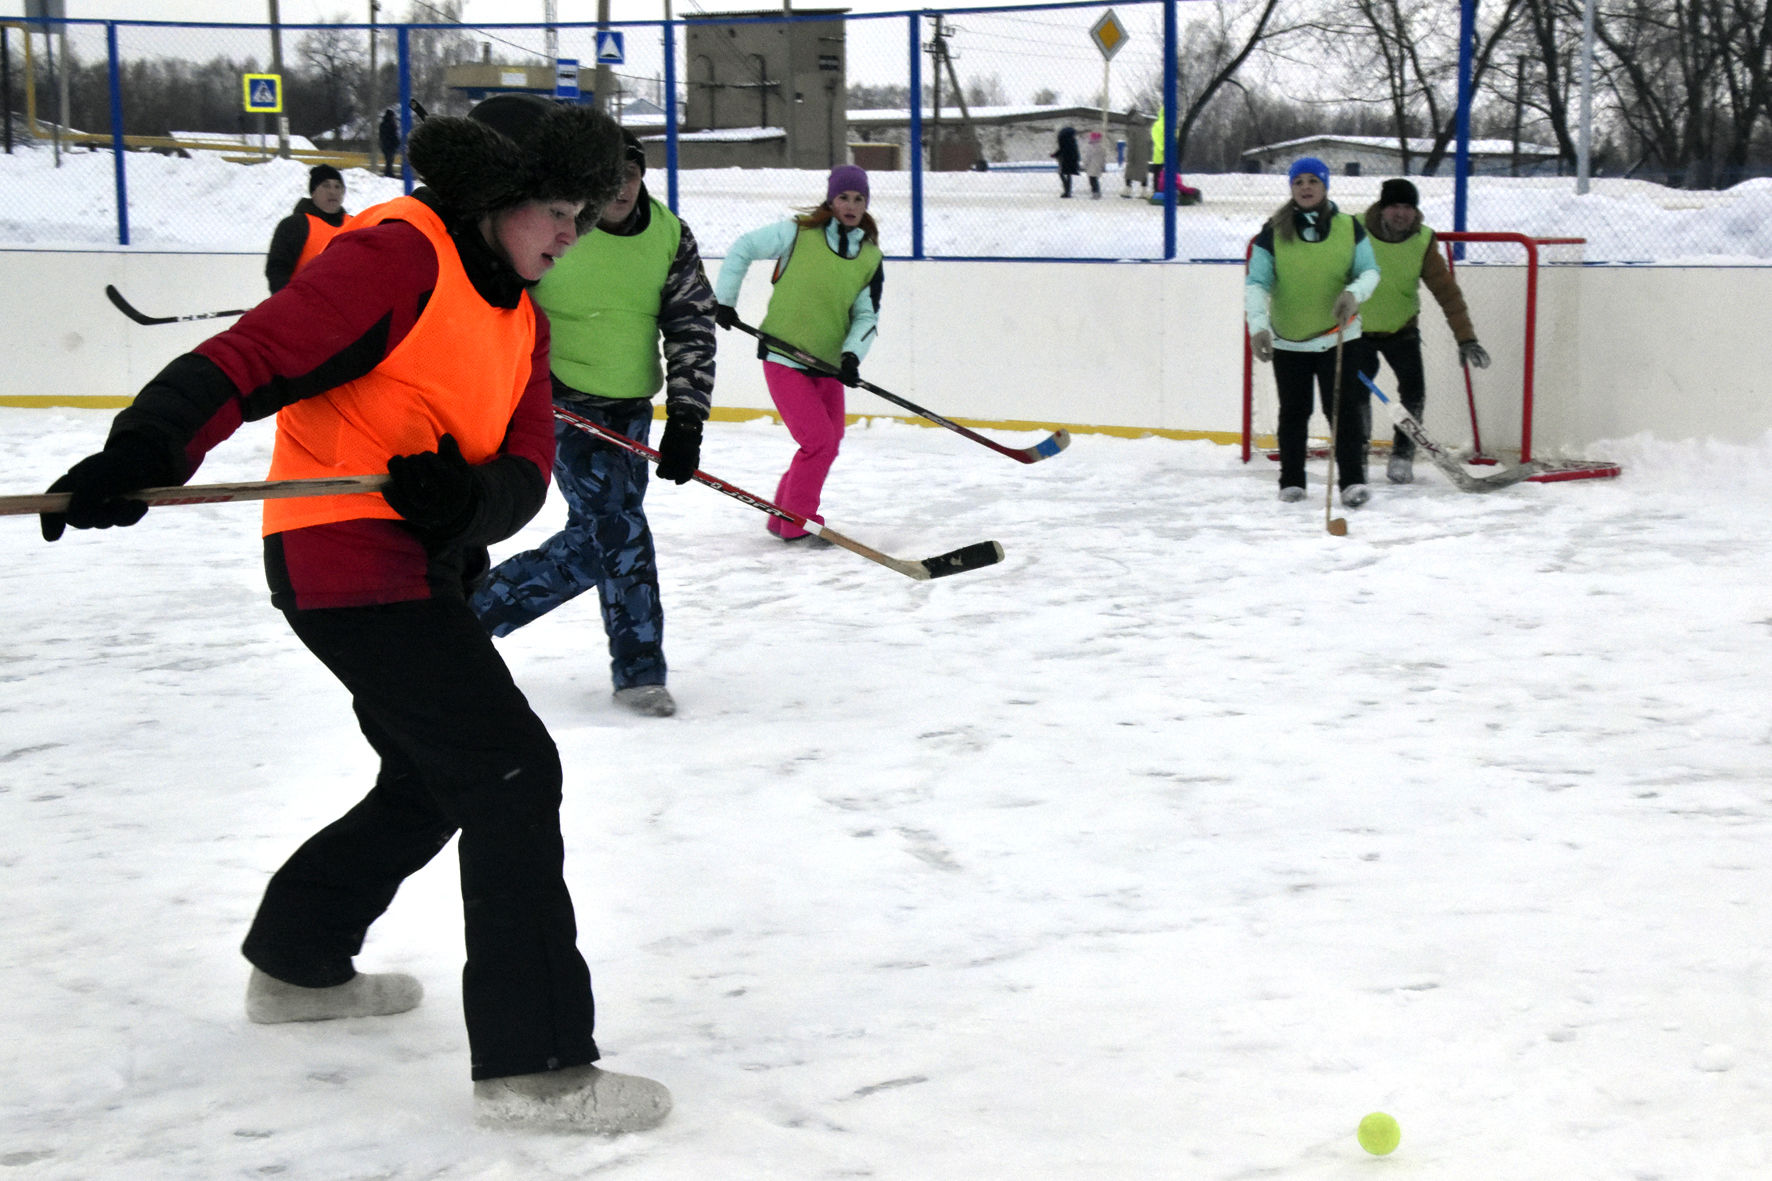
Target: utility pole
pixel 550 13
pixel 372 118
pixel 603 78
pixel 283 89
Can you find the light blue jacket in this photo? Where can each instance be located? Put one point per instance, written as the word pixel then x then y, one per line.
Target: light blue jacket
pixel 774 242
pixel 1258 287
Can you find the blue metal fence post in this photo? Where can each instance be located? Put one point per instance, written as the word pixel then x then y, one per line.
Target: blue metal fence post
pixel 117 136
pixel 1171 119
pixel 1467 39
pixel 403 46
pixel 916 144
pixel 670 97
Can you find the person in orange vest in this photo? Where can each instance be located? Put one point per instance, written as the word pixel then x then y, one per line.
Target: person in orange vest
pixel 305 232
pixel 411 346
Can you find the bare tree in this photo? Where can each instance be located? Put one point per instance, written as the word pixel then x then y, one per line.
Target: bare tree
pixel 336 59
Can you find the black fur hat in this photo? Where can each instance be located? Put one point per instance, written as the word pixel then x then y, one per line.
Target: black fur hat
pixel 514 148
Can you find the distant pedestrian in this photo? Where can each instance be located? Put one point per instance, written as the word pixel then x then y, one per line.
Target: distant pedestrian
pixel 302 235
pixel 1094 162
pixel 1138 155
pixel 825 301
pixel 1310 269
pixel 1069 161
pixel 1391 320
pixel 390 141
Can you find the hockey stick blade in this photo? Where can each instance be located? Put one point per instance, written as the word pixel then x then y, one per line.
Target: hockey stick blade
pixel 55 502
pixel 140 317
pixel 1046 448
pixel 970 557
pixel 1450 467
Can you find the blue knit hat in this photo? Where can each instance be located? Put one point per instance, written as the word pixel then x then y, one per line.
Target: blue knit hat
pixel 1311 165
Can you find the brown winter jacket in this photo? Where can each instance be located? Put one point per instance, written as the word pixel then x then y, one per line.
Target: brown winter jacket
pixel 1434 272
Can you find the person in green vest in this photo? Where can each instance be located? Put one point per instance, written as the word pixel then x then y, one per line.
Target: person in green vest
pixel 826 301
pixel 1309 271
pixel 1390 320
pixel 632 282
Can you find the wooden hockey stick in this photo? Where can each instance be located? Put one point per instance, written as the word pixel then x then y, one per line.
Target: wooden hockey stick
pixel 1337 526
pixel 56 502
pixel 968 557
pixel 1046 448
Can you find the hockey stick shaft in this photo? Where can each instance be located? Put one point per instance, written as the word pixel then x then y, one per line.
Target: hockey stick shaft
pixel 1333 525
pixel 970 557
pixel 140 317
pixel 1045 449
pixel 56 502
pixel 1442 459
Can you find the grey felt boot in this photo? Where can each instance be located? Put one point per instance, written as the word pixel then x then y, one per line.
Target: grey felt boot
pixel 576 1099
pixel 270 1001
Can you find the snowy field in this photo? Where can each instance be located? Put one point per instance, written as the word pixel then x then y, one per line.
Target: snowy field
pixel 208 204
pixel 1166 849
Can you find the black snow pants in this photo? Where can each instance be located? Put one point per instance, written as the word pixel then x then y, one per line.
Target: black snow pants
pixel 1403 352
pixel 461 750
pixel 1295 374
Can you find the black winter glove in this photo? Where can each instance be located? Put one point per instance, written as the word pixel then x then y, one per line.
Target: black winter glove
pixel 679 451
pixel 725 315
pixel 434 490
pixel 850 371
pixel 95 486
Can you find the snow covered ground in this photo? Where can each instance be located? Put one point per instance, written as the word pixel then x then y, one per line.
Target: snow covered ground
pixel 206 203
pixel 1168 848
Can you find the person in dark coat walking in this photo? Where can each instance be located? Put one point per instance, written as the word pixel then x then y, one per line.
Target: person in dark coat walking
pixel 306 231
pixel 1070 160
pixel 411 346
pixel 390 141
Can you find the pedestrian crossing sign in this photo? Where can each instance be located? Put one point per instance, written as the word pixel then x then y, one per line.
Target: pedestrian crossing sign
pixel 264 94
pixel 610 51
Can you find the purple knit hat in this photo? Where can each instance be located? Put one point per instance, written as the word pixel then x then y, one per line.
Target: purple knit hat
pixel 846 178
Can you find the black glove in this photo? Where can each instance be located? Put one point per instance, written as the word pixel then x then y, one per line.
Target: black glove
pixel 679 451
pixel 434 490
pixel 850 370
pixel 725 315
pixel 95 486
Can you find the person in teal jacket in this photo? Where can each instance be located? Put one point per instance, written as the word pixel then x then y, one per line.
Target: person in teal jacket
pixel 633 282
pixel 1311 268
pixel 828 276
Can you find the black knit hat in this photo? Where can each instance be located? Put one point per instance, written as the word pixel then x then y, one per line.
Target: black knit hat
pixel 319 174
pixel 632 149
pixel 1398 192
pixel 514 148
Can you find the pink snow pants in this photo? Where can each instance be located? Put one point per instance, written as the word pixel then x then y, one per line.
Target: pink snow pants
pixel 812 408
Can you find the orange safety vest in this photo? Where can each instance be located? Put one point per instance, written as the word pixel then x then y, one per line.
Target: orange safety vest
pixel 461 370
pixel 320 232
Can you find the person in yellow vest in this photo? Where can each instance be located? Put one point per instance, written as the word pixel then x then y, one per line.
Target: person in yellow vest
pixel 411 346
pixel 828 277
pixel 632 282
pixel 1407 257
pixel 1309 271
pixel 305 233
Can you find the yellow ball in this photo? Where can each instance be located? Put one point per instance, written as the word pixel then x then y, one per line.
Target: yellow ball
pixel 1379 1134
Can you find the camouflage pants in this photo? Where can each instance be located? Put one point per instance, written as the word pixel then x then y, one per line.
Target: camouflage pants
pixel 606 544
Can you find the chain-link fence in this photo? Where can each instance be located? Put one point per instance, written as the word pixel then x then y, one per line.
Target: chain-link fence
pixel 744 114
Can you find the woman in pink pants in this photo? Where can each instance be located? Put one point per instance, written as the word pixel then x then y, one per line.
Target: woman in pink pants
pixel 826 301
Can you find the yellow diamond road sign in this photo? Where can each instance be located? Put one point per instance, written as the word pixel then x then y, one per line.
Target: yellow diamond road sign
pixel 1109 34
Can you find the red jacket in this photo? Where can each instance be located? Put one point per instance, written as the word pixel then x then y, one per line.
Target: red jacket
pixel 335 322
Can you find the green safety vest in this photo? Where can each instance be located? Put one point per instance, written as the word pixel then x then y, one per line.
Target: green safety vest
pixel 1397 299
pixel 602 300
pixel 1307 278
pixel 814 290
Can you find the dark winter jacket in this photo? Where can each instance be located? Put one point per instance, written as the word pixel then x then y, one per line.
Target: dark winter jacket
pixel 335 322
pixel 1069 161
pixel 290 236
pixel 389 134
pixel 1434 272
